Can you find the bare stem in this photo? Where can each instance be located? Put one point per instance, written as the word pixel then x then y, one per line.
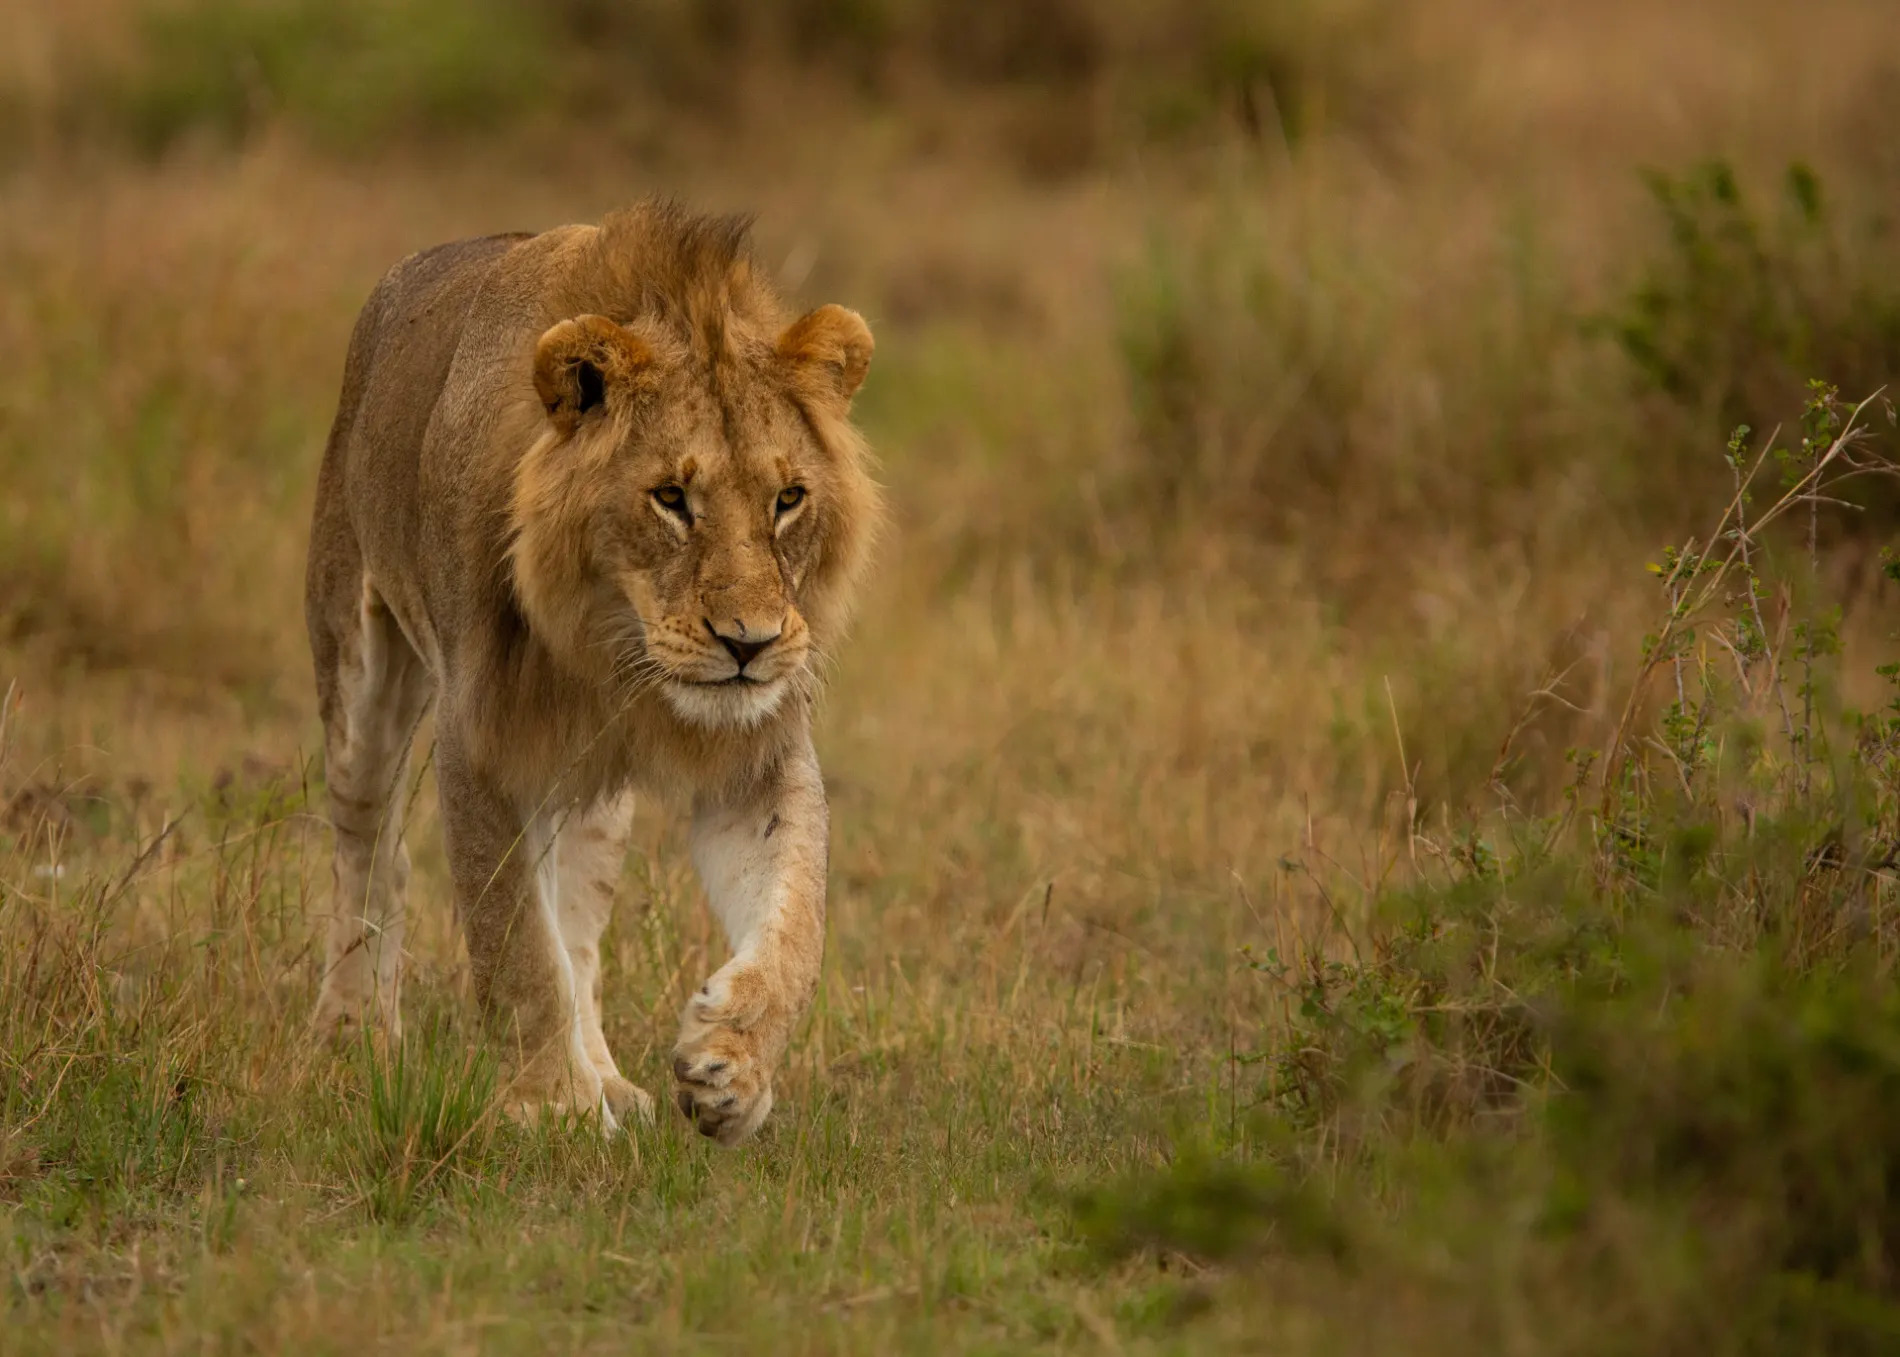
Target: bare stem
pixel 1699 597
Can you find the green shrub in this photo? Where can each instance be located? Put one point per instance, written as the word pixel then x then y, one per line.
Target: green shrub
pixel 1710 1164
pixel 1744 299
pixel 1290 71
pixel 1653 1022
pixel 348 72
pixel 1244 371
pixel 1762 1107
pixel 1287 383
pixel 356 74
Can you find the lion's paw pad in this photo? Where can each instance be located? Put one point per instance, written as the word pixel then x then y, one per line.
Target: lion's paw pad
pixel 725 1093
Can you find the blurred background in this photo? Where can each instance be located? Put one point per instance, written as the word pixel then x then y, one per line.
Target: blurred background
pixel 1280 402
pixel 1283 403
pixel 1255 382
pixel 1292 341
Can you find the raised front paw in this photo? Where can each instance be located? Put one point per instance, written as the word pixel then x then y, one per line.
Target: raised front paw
pixel 724 1070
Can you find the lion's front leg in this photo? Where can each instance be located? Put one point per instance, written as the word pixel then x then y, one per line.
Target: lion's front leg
pixel 507 899
pixel 762 859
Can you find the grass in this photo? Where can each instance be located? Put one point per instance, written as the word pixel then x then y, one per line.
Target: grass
pixel 1617 1072
pixel 189 1113
pixel 1299 879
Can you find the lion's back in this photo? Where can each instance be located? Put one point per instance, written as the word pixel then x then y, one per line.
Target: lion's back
pixel 405 340
pixel 399 358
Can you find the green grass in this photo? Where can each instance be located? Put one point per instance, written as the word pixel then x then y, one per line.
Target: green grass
pixel 1628 1065
pixel 181 1167
pixel 350 75
pixel 195 1169
pixel 1621 1074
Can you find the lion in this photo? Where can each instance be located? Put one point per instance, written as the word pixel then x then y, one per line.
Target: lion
pixel 596 496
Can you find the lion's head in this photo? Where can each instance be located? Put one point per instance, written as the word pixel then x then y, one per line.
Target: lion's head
pixel 696 511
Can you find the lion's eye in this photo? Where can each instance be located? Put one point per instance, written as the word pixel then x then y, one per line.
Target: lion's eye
pixel 790 498
pixel 670 498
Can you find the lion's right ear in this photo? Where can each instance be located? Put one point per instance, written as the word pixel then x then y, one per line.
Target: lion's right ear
pixel 828 352
pixel 580 365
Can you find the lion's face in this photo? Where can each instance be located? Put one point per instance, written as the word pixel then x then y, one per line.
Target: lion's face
pixel 697 508
pixel 708 541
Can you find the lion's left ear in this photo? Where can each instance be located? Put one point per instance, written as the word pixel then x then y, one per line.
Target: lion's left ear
pixel 828 351
pixel 580 365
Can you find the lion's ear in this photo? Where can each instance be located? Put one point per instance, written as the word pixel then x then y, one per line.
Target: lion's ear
pixel 828 351
pixel 582 364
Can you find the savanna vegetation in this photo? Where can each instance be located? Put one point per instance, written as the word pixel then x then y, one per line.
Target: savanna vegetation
pixel 1366 794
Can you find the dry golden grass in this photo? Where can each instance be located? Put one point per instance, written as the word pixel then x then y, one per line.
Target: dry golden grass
pixel 1105 722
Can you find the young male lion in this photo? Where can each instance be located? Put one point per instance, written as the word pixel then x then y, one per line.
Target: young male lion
pixel 597 495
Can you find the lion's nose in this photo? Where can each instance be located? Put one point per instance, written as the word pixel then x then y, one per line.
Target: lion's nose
pixel 745 646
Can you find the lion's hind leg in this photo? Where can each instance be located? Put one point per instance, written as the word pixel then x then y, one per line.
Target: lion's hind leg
pixel 373 690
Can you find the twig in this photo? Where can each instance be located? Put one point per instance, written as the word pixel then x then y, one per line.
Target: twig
pixel 138 863
pixel 1695 600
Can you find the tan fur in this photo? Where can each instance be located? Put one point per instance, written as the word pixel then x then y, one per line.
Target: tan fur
pixel 598 494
